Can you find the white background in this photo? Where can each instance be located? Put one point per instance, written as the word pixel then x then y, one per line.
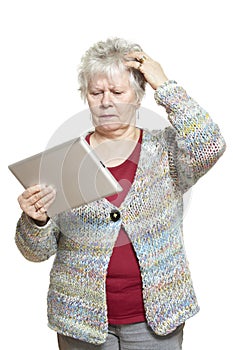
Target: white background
pixel 41 45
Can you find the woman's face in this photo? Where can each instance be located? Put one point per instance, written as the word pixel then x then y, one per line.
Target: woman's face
pixel 112 101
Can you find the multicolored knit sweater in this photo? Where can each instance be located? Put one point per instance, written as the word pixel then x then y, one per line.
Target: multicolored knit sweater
pixel 171 161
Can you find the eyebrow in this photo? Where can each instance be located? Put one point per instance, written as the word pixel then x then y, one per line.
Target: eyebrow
pixel 96 87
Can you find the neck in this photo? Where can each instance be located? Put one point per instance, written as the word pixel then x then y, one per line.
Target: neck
pixel 127 133
pixel 114 148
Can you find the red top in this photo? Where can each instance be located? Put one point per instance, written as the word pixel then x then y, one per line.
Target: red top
pixel 123 282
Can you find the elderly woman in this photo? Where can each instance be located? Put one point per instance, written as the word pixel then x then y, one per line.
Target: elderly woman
pixel 120 278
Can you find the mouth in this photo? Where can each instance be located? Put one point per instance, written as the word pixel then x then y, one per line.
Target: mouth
pixel 108 116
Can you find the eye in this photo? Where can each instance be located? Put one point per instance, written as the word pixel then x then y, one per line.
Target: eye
pixel 96 93
pixel 118 92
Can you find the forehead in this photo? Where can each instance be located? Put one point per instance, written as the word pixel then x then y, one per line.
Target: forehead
pixel 118 79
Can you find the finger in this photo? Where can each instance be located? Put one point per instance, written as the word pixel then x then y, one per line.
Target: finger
pixel 137 55
pixel 28 205
pixel 45 199
pixel 47 205
pixel 39 195
pixel 133 64
pixel 32 190
pixel 41 213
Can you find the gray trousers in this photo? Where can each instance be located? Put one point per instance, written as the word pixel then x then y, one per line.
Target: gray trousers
pixel 137 336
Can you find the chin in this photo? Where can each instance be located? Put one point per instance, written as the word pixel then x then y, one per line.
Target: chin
pixel 108 127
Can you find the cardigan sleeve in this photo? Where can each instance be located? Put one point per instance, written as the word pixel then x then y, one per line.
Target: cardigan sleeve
pixel 194 141
pixel 36 243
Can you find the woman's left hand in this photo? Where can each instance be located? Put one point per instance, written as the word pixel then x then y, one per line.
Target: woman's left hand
pixel 151 69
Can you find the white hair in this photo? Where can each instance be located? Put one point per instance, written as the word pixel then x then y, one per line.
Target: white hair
pixel 108 57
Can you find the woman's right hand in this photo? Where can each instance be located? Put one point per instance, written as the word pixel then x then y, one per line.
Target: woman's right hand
pixel 35 201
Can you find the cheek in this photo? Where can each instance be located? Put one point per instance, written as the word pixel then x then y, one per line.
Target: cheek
pixel 126 110
pixel 93 104
pixel 132 99
pixel 128 102
pixel 90 101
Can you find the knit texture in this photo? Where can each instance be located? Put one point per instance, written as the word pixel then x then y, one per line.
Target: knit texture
pixel 171 161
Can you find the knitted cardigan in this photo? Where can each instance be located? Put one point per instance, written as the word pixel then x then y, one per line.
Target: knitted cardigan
pixel 171 161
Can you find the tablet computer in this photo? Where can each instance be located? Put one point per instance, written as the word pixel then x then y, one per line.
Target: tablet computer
pixel 74 169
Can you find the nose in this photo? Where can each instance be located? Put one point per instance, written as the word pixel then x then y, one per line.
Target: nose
pixel 106 100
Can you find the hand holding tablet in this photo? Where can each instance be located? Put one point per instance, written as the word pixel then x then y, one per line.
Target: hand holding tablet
pixel 72 169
